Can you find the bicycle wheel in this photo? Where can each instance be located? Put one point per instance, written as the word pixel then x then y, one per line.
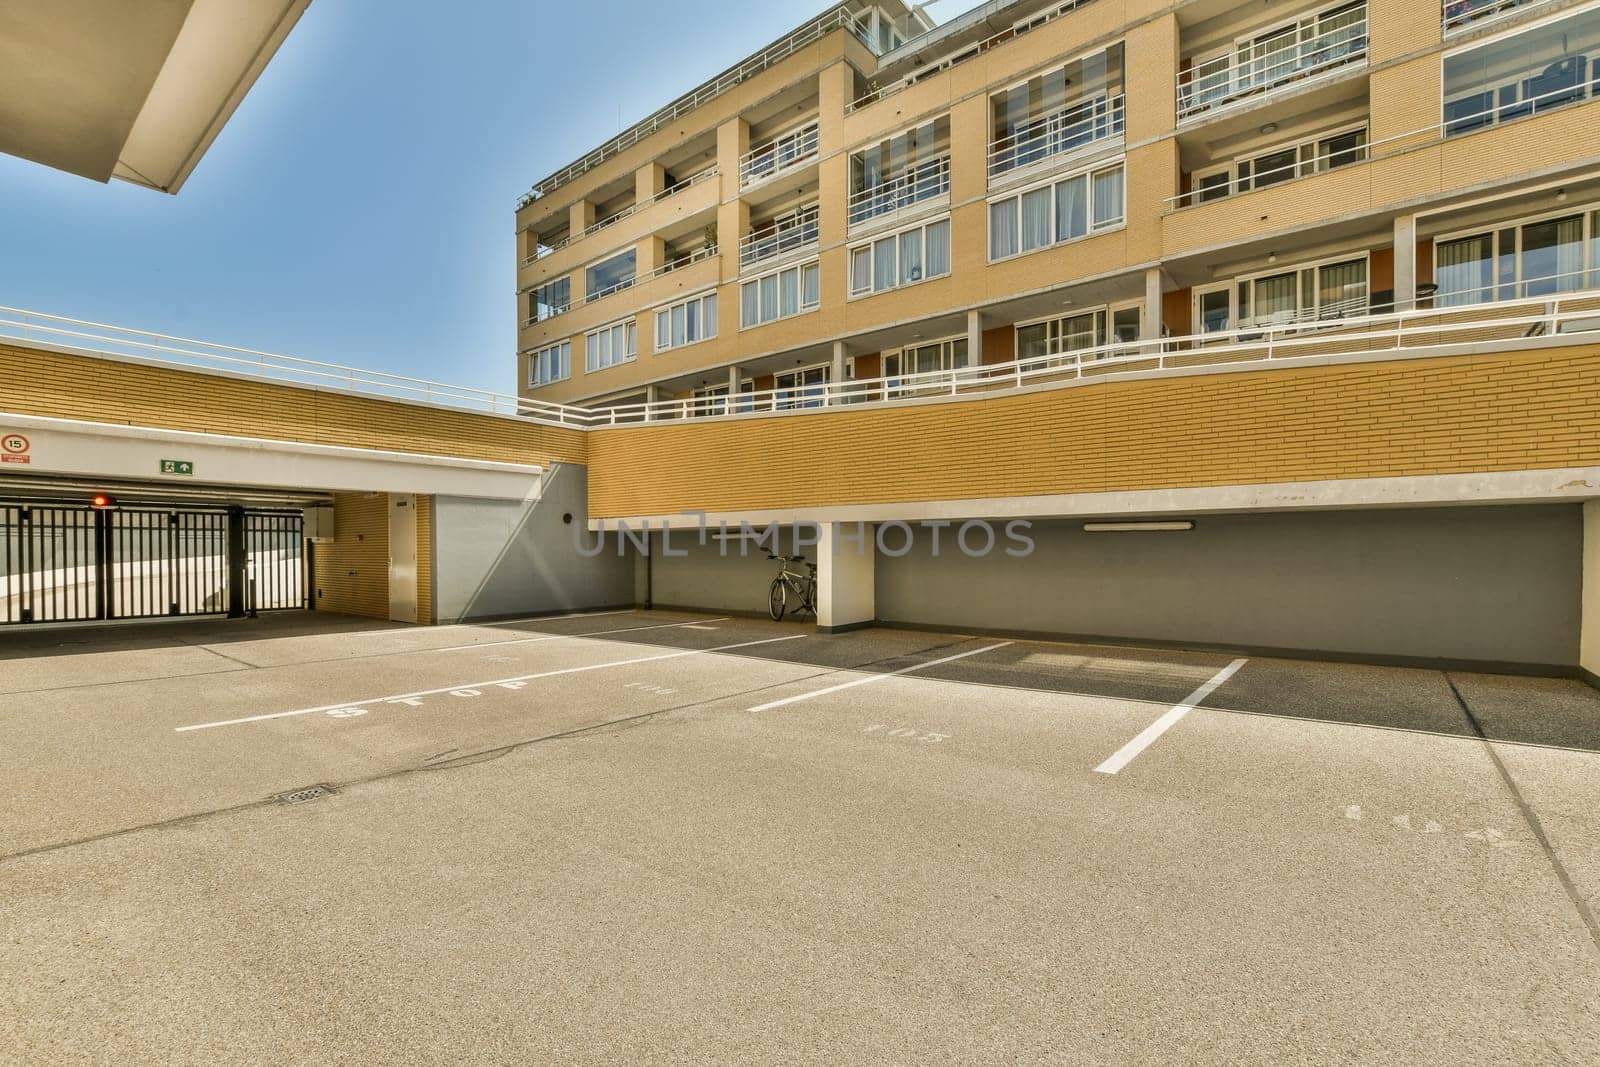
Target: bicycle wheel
pixel 776 600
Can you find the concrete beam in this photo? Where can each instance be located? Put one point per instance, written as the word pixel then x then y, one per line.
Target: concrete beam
pixel 70 448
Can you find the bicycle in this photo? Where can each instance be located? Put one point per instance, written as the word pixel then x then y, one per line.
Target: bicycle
pixel 792 582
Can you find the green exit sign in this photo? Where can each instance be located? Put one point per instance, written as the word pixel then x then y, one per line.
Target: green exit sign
pixel 177 466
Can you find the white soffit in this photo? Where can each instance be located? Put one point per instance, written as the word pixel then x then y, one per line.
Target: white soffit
pixel 219 53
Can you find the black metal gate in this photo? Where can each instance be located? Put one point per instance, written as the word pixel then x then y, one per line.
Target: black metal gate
pixel 68 563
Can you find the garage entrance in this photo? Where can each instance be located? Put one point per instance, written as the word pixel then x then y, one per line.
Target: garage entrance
pixel 81 563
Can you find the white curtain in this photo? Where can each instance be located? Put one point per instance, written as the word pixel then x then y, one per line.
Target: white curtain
pixel 1036 228
pixel 1342 289
pixel 1072 208
pixel 1275 298
pixel 1465 271
pixel 1003 229
pixel 938 249
pixel 1108 205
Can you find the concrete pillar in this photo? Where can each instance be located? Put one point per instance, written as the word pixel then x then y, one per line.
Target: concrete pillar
pixel 974 338
pixel 1405 263
pixel 846 577
pixel 1589 626
pixel 841 355
pixel 580 217
pixel 1154 286
pixel 527 245
pixel 651 254
pixel 652 393
pixel 733 381
pixel 648 181
pixel 733 214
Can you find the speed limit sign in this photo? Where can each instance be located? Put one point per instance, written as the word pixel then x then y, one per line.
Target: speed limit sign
pixel 14 448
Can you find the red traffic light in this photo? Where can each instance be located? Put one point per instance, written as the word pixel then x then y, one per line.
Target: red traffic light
pixel 103 501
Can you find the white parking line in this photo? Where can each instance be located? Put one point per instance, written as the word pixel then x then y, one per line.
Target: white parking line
pixel 1147 737
pixel 566 637
pixel 511 683
pixel 870 678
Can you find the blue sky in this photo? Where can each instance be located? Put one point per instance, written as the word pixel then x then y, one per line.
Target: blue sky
pixel 358 207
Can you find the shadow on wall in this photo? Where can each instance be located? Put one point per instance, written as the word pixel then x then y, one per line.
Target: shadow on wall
pixel 497 558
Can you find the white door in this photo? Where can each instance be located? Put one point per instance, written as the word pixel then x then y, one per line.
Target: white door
pixel 402 557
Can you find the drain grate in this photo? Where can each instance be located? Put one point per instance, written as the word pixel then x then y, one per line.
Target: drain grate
pixel 306 795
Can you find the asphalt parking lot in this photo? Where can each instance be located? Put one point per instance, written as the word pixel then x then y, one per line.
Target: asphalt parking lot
pixel 655 836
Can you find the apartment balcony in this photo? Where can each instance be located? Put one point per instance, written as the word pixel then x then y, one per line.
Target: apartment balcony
pixel 681 204
pixel 924 184
pixel 785 240
pixel 1063 133
pixel 1273 64
pixel 789 152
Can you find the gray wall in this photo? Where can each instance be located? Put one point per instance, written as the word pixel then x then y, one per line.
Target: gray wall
pixel 498 558
pixel 704 578
pixel 1490 584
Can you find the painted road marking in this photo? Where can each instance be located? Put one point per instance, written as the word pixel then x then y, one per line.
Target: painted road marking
pixel 557 637
pixel 350 709
pixel 1147 737
pixel 870 678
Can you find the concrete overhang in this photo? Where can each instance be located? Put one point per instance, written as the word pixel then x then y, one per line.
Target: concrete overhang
pixel 135 91
pixel 67 448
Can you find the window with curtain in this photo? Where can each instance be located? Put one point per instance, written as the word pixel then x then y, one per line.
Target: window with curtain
pixel 1061 211
pixel 938 245
pixel 905 258
pixel 1037 231
pixel 883 264
pixel 1342 290
pixel 1530 259
pixel 1072 208
pixel 1108 198
pixel 775 296
pixel 687 322
pixel 611 345
pixel 910 257
pixel 552 364
pixel 1003 229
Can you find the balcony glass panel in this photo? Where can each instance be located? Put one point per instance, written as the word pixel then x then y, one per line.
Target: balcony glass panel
pixel 1460 14
pixel 780 154
pixel 902 171
pixel 781 235
pixel 1275 58
pixel 614 274
pixel 1528 73
pixel 1057 112
pixel 1532 259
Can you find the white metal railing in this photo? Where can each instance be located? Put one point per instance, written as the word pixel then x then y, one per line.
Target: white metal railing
pixel 758 247
pixel 782 154
pixel 1337 311
pixel 1057 133
pixel 1401 143
pixel 615 287
pixel 632 209
pixel 1413 332
pixel 1246 72
pixel 876 92
pixel 839 18
pixel 927 180
pixel 1458 15
pixel 554 312
pixel 699 255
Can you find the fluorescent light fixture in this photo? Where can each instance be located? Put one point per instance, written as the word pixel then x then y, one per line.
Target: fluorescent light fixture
pixel 1138 527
